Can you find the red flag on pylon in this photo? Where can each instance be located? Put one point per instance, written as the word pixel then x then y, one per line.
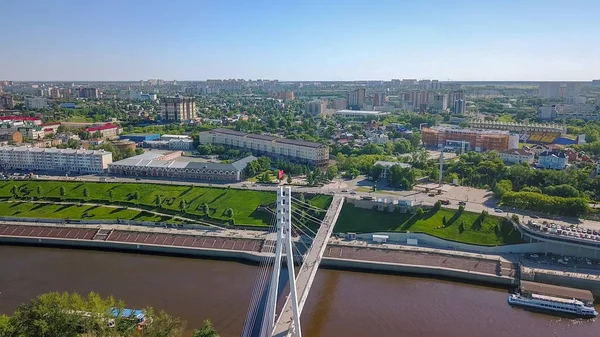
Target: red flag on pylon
pixel 280 174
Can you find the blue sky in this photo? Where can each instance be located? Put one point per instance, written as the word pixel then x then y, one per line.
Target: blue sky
pixel 300 40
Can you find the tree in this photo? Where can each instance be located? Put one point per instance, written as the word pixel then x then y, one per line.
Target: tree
pixel 332 172
pixel 401 177
pixel 228 213
pixel 182 205
pixel 205 209
pixel 62 191
pixel 502 187
pixel 58 314
pixel 207 330
pixel 14 190
pixel 461 209
pixel 289 178
pixel 444 221
pixel 111 195
pixel 375 172
pixel 419 212
pixel 437 206
pixel 158 201
pixel 39 191
pixel 86 193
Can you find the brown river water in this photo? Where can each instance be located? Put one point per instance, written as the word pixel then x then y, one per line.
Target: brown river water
pixel 341 303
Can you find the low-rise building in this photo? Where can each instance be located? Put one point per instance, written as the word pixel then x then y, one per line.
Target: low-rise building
pixel 172 165
pixel 379 138
pixel 555 160
pixel 515 156
pixel 140 137
pixel 8 138
pixel 467 139
pixel 53 159
pixel 107 130
pixel 387 165
pixel 171 144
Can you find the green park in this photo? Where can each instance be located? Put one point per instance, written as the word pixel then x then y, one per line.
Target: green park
pixel 449 224
pixel 217 204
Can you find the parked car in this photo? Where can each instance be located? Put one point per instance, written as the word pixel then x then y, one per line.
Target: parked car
pixel 462 203
pixel 498 210
pixel 431 195
pixel 534 217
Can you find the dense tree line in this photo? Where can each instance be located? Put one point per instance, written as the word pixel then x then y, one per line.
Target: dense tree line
pixel 546 203
pixel 71 315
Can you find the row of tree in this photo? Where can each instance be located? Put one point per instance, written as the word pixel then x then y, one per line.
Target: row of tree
pixel 546 203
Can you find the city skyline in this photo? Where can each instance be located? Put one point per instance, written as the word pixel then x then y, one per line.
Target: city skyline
pixel 301 41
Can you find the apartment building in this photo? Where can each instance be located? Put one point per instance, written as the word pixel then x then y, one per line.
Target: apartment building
pixel 555 160
pixel 178 108
pixel 316 107
pixel 6 102
pixel 53 159
pixel 36 103
pixel 314 154
pixel 469 139
pixel 356 98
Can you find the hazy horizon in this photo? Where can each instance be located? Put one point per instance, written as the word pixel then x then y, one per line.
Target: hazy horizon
pixel 310 40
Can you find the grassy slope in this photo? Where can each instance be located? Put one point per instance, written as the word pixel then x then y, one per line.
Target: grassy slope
pixel 243 202
pixel 359 220
pixel 30 210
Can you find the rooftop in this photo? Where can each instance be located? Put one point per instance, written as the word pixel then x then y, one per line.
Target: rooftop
pixel 392 163
pixel 102 127
pixel 298 142
pixel 552 290
pixel 50 150
pixel 519 152
pixel 364 112
pixel 468 130
pixel 183 162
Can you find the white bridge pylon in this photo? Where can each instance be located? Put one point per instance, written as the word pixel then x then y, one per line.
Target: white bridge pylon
pixel 283 246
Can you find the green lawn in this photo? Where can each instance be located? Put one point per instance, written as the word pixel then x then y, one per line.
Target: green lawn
pixel 31 210
pixel 493 231
pixel 243 202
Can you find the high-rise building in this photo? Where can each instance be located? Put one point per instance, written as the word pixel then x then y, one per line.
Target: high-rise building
pixel 316 107
pixel 340 103
pixel 459 107
pixel 55 93
pixel 456 95
pixel 286 96
pixel 88 93
pixel 6 102
pixel 378 99
pixel 356 99
pixel 547 113
pixel 572 90
pixel 178 108
pixel 440 103
pixel 549 89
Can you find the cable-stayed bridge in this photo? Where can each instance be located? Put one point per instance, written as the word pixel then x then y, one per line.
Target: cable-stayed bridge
pixel 301 232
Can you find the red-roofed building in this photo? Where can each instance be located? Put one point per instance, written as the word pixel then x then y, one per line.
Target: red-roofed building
pixel 107 130
pixel 33 120
pixel 50 128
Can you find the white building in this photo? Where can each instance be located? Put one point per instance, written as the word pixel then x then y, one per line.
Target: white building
pixel 296 150
pixel 515 156
pixel 359 113
pixel 553 160
pixel 547 112
pixel 459 106
pixel 170 144
pixel 316 107
pixel 53 159
pixel 36 103
pixel 379 139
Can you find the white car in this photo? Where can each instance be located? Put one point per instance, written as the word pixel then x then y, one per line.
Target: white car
pixel 498 210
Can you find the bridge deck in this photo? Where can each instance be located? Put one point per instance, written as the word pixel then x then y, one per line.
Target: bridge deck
pixel 306 275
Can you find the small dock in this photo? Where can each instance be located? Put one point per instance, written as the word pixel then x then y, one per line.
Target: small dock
pixel 528 287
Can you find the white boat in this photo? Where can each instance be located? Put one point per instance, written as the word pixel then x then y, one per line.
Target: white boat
pixel 553 305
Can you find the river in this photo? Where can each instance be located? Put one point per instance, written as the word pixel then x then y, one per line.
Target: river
pixel 341 303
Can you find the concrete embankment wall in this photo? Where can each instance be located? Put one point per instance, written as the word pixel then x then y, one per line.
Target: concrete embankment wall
pixel 537 247
pixel 417 270
pixel 566 281
pixel 334 263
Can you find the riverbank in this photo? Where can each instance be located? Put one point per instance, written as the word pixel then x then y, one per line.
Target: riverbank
pixel 251 249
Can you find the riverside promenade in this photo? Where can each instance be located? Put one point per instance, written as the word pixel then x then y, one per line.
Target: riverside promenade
pixel 248 245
